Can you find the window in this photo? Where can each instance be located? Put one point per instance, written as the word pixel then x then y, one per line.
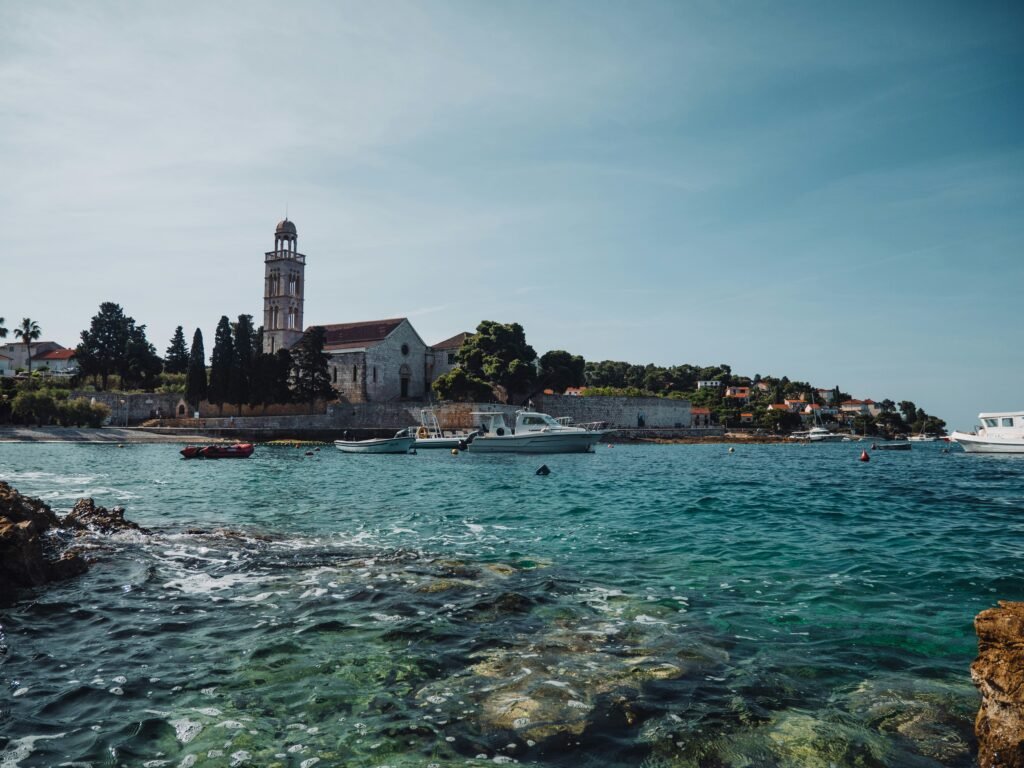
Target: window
pixel 405 349
pixel 355 373
pixel 334 375
pixel 451 358
pixel 991 422
pixel 1008 422
pixel 375 374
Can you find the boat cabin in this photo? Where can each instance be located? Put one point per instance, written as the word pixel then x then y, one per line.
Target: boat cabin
pixel 493 423
pixel 1002 421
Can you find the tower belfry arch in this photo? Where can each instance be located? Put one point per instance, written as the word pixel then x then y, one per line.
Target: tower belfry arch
pixel 283 289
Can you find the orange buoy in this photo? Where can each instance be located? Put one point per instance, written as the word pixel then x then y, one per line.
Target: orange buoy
pixel 864 456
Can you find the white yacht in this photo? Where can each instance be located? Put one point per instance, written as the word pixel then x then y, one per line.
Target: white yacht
pixel 998 433
pixel 818 435
pixel 533 433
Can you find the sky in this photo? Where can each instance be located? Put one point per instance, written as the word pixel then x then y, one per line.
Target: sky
pixel 828 191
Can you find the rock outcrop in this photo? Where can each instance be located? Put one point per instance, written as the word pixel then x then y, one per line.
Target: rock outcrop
pixel 998 672
pixel 30 554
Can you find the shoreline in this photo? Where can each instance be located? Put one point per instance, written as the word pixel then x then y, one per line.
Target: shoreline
pixel 143 435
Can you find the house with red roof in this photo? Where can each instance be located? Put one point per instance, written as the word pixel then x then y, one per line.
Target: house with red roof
pixel 738 393
pixel 700 417
pixel 60 362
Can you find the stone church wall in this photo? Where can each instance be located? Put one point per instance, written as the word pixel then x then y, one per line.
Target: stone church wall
pixel 387 360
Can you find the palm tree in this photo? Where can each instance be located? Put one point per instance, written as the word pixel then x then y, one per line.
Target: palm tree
pixel 28 332
pixel 3 331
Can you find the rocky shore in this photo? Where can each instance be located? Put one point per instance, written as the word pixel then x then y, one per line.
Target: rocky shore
pixel 998 672
pixel 37 546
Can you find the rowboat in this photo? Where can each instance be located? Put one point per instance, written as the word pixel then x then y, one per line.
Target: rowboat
pixel 400 443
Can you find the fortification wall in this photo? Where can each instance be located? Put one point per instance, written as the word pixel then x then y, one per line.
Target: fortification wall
pixel 621 412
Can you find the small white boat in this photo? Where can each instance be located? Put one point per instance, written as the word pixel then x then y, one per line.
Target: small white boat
pixel 818 435
pixel 998 433
pixel 533 433
pixel 398 444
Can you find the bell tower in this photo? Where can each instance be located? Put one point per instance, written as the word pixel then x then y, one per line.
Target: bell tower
pixel 283 286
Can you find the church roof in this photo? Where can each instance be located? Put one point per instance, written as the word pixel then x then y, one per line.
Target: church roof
pixel 454 342
pixel 353 335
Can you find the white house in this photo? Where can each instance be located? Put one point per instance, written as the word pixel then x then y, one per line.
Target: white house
pixel 6 365
pixel 708 384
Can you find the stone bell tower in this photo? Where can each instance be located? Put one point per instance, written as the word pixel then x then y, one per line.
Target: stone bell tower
pixel 285 276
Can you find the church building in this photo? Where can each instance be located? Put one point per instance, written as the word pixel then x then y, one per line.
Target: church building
pixel 372 361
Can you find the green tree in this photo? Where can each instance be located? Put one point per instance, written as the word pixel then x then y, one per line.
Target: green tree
pixel 240 380
pixel 909 411
pixel 560 370
pixel 218 390
pixel 140 364
pixel 499 355
pixel 311 377
pixel 459 386
pixel 3 331
pixel 195 383
pixel 28 332
pixel 176 357
pixel 102 348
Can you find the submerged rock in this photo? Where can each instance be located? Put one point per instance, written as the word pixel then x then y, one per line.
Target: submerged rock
pixel 998 672
pixel 29 555
pixel 86 515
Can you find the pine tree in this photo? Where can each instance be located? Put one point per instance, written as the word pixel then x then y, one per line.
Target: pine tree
pixel 176 357
pixel 195 382
pixel 220 364
pixel 312 379
pixel 240 384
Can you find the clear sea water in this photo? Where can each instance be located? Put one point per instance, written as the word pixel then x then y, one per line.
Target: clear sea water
pixel 653 606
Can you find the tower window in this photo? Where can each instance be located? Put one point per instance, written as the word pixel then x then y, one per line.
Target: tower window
pixel 355 373
pixel 405 349
pixel 334 375
pixel 375 374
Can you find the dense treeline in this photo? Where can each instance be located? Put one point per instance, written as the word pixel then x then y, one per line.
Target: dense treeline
pixel 30 401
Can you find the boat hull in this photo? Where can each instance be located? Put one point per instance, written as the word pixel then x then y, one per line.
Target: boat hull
pixel 579 442
pixel 975 444
pixel 236 451
pixel 384 445
pixel 891 447
pixel 438 442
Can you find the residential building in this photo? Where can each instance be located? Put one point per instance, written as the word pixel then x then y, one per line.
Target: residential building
pixel 18 354
pixel 708 384
pixel 6 365
pixel 442 356
pixel 738 393
pixel 700 417
pixel 746 418
pixel 58 361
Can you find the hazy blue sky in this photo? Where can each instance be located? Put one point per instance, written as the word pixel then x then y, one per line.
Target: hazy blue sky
pixel 831 191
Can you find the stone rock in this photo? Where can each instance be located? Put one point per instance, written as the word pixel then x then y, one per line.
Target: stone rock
pixel 28 556
pixel 998 672
pixel 85 515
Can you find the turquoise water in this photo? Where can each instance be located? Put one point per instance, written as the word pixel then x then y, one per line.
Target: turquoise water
pixel 645 605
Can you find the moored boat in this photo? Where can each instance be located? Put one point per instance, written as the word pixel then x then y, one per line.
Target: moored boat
pixel 818 435
pixel 891 445
pixel 1001 432
pixel 218 451
pixel 430 435
pixel 533 433
pixel 400 443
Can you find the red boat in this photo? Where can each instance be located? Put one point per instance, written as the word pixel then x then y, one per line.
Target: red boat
pixel 236 451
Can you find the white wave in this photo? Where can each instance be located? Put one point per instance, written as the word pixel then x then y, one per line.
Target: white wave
pixel 18 749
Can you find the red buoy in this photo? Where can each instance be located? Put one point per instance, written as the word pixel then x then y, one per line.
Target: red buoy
pixel 864 456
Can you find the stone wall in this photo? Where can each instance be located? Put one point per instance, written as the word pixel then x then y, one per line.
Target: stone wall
pixel 623 412
pixel 385 364
pixel 140 407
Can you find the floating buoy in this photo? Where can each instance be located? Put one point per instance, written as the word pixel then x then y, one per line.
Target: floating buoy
pixel 732 450
pixel 543 470
pixel 309 453
pixel 120 445
pixel 455 451
pixel 864 456
pixel 610 445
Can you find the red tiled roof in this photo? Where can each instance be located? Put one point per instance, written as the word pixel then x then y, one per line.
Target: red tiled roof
pixel 747 414
pixel 700 411
pixel 454 342
pixel 575 391
pixel 56 354
pixel 853 402
pixel 352 335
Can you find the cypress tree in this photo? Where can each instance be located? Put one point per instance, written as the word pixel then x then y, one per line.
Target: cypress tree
pixel 176 359
pixel 240 385
pixel 218 391
pixel 195 381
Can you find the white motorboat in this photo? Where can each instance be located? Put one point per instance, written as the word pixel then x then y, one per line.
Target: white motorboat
pixel 998 433
pixel 533 433
pixel 400 443
pixel 430 435
pixel 818 435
